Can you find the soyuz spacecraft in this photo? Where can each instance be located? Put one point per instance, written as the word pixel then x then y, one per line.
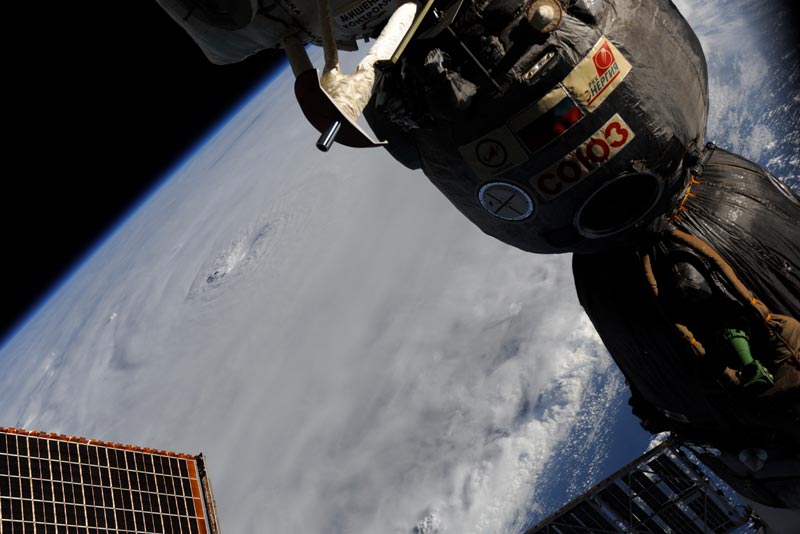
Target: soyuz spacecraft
pixel 579 126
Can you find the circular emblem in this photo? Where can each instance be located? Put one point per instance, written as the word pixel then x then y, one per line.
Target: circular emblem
pixel 491 153
pixel 603 59
pixel 505 201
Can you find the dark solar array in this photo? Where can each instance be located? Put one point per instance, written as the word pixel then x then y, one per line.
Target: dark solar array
pixel 51 485
pixel 715 518
pixel 664 493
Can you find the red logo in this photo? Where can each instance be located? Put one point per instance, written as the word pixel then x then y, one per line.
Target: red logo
pixel 603 59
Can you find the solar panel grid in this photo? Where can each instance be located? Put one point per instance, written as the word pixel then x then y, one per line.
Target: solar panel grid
pixel 662 505
pixel 662 492
pixel 651 521
pixel 673 472
pixel 623 506
pixel 592 517
pixel 711 514
pixel 47 482
pixel 704 504
pixel 670 471
pixel 710 509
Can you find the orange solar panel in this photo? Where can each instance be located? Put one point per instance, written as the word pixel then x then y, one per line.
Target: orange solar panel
pixel 51 483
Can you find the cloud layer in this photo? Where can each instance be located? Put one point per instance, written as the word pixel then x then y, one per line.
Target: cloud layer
pixel 350 353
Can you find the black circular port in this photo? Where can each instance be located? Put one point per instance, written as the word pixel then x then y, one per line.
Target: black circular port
pixel 618 204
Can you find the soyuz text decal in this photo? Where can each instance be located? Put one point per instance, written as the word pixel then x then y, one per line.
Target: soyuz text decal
pixel 606 143
pixel 598 74
pixel 363 13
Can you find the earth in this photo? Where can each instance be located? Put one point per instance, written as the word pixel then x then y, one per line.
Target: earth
pixel 349 352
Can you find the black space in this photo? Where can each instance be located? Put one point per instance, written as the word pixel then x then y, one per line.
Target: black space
pixel 97 106
pixel 100 100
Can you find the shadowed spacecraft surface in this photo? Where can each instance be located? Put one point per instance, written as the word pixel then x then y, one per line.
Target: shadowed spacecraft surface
pixel 579 126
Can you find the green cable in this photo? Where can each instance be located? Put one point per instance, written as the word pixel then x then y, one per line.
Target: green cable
pixel 740 343
pixel 754 376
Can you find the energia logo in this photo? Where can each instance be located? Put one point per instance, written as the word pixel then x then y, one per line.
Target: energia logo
pixel 597 75
pixel 603 59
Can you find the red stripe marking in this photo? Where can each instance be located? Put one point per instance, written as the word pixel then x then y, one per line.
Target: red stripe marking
pixel 604 88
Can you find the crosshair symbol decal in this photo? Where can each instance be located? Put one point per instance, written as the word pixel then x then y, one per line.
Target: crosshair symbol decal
pixel 491 153
pixel 505 201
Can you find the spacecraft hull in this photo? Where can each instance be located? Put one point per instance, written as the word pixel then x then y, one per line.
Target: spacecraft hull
pixel 614 99
pixel 751 221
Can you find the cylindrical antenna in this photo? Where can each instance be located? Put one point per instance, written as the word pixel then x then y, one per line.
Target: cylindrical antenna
pixel 329 136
